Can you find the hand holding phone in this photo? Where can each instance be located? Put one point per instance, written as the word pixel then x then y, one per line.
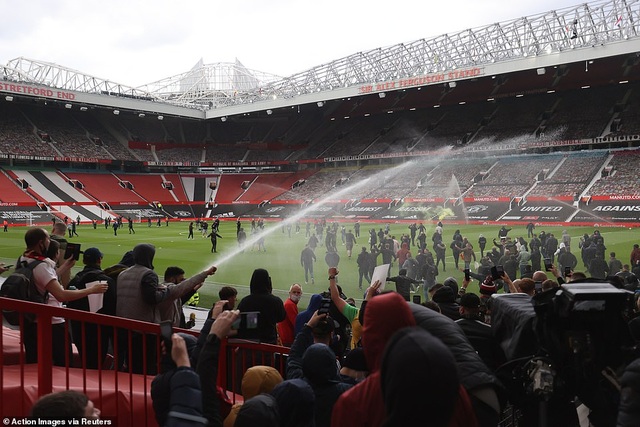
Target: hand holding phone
pixel 538 287
pixel 72 251
pixel 324 306
pixel 548 265
pixel 166 331
pixel 246 320
pixel 497 271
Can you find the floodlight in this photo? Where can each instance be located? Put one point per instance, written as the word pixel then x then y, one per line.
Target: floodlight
pixel 9 98
pixel 141 115
pixel 160 117
pixel 116 112
pixel 67 106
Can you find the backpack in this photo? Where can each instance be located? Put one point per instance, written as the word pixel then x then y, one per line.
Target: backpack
pixel 19 285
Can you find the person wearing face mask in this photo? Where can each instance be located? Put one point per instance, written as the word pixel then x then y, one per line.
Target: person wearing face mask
pixel 286 327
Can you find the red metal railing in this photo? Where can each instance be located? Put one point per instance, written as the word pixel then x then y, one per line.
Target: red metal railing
pixel 236 356
pixel 121 394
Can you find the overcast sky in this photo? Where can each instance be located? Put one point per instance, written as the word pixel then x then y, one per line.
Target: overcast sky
pixel 134 42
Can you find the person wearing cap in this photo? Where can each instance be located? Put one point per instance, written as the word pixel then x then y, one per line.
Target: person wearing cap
pixel 88 344
pixel 478 332
pixel 354 365
pixel 445 296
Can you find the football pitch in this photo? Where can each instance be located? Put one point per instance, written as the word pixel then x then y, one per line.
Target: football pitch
pixel 282 255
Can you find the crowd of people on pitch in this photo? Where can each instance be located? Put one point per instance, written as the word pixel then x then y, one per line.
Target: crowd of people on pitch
pixel 347 365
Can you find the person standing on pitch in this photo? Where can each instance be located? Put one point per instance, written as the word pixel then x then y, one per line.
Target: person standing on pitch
pixel 214 240
pixel 307 258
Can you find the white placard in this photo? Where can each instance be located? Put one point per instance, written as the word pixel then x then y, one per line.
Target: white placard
pixel 95 300
pixel 380 273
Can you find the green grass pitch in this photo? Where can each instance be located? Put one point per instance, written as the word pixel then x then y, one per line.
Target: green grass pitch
pixel 282 256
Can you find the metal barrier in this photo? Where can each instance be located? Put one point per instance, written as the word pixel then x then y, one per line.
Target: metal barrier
pixel 236 356
pixel 116 380
pixel 119 383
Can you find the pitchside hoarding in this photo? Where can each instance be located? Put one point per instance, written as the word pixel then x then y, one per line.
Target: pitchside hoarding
pixel 540 209
pixel 618 209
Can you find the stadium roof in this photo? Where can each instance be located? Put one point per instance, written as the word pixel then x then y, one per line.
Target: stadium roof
pixel 593 30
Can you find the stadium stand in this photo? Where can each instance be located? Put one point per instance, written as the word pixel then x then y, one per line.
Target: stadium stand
pixel 18 136
pixel 105 187
pixel 623 176
pixel 68 138
pixel 12 192
pixel 101 136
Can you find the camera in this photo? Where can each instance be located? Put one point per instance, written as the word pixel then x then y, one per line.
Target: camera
pixel 561 344
pixel 567 272
pixel 417 299
pixel 548 265
pixel 247 320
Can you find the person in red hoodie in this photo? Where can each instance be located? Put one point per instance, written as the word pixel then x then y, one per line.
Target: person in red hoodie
pixel 363 405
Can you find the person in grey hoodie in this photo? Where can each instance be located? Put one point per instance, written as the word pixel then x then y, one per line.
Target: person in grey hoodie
pixel 138 295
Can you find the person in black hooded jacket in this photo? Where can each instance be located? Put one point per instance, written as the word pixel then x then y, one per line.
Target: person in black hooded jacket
pixel 315 362
pixel 403 386
pixel 321 372
pixel 296 403
pixel 261 410
pixel 485 390
pixel 629 409
pixel 271 309
pixel 176 395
